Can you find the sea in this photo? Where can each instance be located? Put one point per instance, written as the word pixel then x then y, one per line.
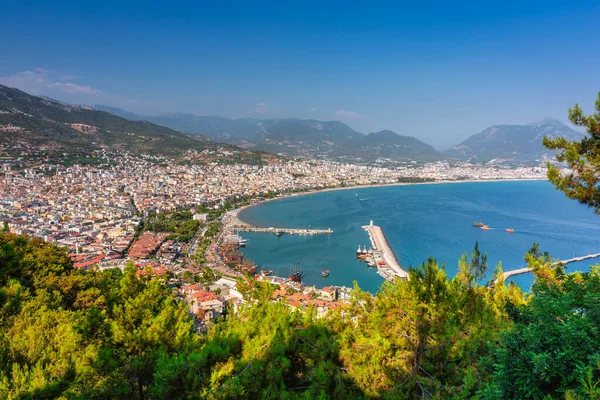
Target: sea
pixel 421 221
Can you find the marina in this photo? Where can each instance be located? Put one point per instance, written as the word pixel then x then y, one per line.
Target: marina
pixel 383 256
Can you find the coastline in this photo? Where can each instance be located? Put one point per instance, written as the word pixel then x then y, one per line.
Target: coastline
pixel 236 212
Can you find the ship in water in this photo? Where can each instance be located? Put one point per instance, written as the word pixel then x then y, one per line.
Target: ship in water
pixel 296 274
pixel 478 224
pixel 362 253
pixel 510 230
pixel 485 227
pixel 325 273
pixel 236 240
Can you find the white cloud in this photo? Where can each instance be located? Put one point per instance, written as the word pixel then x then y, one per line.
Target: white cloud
pixel 261 109
pixel 73 88
pixel 40 82
pixel 345 114
pixel 60 86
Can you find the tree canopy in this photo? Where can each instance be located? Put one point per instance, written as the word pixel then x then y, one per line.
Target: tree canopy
pixel 582 183
pixel 73 334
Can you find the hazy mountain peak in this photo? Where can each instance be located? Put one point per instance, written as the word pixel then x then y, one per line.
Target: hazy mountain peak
pixel 513 142
pixel 548 121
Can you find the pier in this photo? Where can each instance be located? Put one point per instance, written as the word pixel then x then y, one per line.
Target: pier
pixel 278 231
pixel 380 246
pixel 526 270
pixel 232 222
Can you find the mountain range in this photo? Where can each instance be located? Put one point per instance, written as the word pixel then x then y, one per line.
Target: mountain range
pixel 54 125
pixel 296 137
pixel 334 139
pixel 513 142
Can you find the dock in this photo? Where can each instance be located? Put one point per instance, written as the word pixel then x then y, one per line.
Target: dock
pixel 237 225
pixel 381 247
pixel 526 270
pixel 288 231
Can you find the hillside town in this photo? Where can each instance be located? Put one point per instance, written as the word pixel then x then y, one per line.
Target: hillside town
pixel 102 212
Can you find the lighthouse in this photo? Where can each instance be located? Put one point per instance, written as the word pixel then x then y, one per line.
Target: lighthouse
pixel 371 223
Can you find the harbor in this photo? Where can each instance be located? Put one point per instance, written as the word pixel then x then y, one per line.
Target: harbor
pixel 382 255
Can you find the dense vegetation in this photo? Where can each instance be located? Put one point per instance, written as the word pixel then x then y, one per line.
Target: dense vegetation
pixel 179 223
pixel 582 157
pixel 73 334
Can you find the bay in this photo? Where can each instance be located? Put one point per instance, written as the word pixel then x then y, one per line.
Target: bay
pixel 421 221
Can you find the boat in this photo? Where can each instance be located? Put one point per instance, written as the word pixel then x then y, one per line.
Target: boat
pixel 371 263
pixel 279 233
pixel 510 230
pixel 325 273
pixel 296 274
pixel 236 240
pixel 247 269
pixel 478 224
pixel 362 253
pixel 485 227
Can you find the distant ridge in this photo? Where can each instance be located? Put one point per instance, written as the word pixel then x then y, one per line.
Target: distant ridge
pixel 295 137
pixel 57 125
pixel 513 142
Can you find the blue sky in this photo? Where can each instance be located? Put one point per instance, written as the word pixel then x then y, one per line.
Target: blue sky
pixel 434 70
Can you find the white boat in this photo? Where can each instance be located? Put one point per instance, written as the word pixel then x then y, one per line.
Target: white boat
pixel 236 240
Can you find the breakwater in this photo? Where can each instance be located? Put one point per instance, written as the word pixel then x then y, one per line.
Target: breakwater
pixel 526 270
pixel 278 231
pixel 384 257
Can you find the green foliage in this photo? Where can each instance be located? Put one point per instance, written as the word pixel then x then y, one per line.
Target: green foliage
pixel 413 179
pixel 180 223
pixel 66 333
pixel 72 334
pixel 582 158
pixel 554 346
pixel 422 338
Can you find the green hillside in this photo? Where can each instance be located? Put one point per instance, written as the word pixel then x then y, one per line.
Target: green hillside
pixel 71 334
pixel 48 123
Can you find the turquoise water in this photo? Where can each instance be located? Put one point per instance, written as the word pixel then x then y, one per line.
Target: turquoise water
pixel 420 221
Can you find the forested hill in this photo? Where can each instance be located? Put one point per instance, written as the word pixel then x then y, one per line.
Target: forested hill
pixel 104 335
pixel 48 123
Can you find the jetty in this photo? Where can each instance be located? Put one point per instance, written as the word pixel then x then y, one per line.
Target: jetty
pixel 278 231
pixel 526 270
pixel 383 253
pixel 232 222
